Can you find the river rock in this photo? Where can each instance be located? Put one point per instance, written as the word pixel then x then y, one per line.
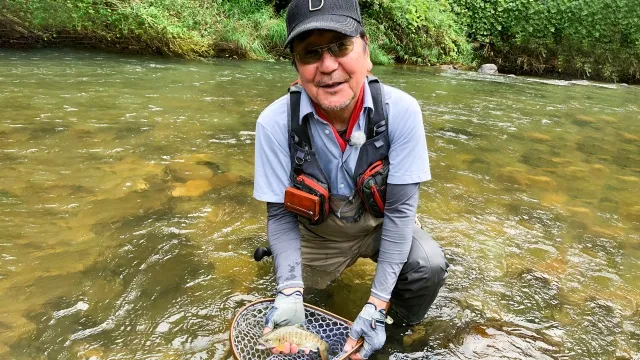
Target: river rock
pixel 553 199
pixel 632 214
pixel 489 69
pixel 538 137
pixel 609 119
pixel 562 161
pixel 543 182
pixel 417 334
pixel 630 179
pixel 479 165
pixel 592 145
pixel 599 168
pixel 608 204
pixel 582 119
pixel 538 158
pixel 605 232
pixel 554 267
pixel 447 67
pixel 512 176
pixel 226 179
pixel 191 188
pixel 575 172
pixel 183 171
pixel 579 211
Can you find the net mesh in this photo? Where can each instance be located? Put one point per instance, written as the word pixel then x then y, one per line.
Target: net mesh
pixel 248 325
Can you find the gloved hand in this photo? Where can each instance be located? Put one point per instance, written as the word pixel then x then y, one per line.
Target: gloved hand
pixel 286 310
pixel 370 325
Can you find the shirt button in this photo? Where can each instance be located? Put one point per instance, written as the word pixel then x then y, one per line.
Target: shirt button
pixel 326 132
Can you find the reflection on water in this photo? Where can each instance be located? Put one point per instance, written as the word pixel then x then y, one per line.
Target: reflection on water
pixel 128 226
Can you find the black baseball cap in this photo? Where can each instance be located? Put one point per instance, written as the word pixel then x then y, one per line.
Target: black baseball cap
pixel 342 16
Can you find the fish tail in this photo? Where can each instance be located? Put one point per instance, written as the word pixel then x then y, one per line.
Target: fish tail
pixel 324 351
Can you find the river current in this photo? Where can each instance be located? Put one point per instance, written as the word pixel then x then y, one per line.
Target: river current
pixel 127 226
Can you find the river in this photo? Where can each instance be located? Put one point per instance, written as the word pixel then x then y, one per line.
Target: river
pixel 128 227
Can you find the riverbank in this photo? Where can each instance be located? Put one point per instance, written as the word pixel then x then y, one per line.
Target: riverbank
pixel 568 41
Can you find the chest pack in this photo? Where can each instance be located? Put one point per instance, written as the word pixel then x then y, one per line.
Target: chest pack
pixel 309 193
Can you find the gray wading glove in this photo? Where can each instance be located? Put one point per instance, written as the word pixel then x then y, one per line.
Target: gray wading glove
pixel 370 325
pixel 286 310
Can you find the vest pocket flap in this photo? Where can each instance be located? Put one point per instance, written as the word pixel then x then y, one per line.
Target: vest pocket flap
pixel 379 143
pixel 302 203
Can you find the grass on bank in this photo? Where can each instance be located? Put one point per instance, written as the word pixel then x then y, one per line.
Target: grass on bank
pixel 597 39
pixel 242 28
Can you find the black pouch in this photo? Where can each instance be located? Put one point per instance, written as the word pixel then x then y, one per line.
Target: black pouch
pixel 372 187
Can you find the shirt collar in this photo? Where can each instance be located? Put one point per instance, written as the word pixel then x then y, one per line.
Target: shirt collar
pixel 306 107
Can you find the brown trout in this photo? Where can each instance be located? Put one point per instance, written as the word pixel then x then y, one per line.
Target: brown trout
pixel 295 334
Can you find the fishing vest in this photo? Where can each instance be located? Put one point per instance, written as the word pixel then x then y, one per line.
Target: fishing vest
pixel 371 169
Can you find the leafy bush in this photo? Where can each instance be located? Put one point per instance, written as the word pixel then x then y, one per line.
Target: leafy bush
pixel 596 38
pixel 416 31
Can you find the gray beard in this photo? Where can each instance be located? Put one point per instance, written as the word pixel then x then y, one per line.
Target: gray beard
pixel 339 106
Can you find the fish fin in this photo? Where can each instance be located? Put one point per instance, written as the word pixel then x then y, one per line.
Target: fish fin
pixel 261 347
pixel 280 347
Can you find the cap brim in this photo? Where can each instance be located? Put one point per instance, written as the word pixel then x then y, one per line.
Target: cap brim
pixel 339 23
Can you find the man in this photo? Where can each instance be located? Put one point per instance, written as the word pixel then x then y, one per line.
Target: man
pixel 325 155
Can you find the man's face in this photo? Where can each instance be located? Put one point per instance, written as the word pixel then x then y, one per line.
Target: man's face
pixel 332 83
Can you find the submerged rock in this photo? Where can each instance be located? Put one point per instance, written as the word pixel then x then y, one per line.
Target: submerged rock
pixel 631 179
pixel 538 137
pixel 609 119
pixel 599 168
pixel 630 138
pixel 554 199
pixel 513 176
pixel 479 165
pixel 555 267
pixel 584 120
pixel 544 182
pixel 575 172
pixel 579 211
pixel 183 172
pixel 537 158
pixel 191 188
pixel 561 161
pixel 417 333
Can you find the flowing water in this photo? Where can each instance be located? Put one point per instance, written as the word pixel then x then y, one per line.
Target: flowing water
pixel 127 225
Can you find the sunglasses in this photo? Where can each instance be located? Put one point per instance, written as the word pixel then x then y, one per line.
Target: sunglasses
pixel 337 50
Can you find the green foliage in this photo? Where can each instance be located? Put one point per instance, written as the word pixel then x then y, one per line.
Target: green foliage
pixel 596 38
pixel 415 31
pixel 188 28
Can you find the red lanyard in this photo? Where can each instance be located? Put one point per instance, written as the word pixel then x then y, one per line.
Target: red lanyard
pixel 355 115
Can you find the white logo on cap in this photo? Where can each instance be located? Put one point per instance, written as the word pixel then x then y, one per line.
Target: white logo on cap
pixel 311 8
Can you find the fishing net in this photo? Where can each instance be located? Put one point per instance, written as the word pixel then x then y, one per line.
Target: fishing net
pixel 247 327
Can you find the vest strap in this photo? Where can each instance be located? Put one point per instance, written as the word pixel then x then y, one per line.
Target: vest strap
pixel 376 124
pixel 298 131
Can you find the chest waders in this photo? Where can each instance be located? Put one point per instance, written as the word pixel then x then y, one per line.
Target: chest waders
pixel 310 186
